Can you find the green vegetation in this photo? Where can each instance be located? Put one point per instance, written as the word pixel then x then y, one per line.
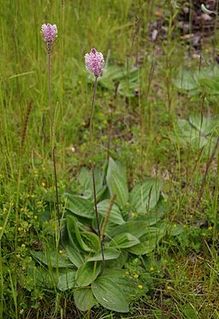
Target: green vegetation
pixel 155 148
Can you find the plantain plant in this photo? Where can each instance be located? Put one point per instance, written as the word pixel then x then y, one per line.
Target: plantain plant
pixel 131 224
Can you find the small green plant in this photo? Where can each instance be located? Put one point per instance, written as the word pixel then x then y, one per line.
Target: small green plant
pixel 198 131
pixel 199 82
pixel 131 225
pixel 122 79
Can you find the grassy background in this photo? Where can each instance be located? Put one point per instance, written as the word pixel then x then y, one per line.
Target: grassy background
pixel 143 139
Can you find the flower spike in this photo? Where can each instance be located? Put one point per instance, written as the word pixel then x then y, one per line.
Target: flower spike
pixel 94 62
pixel 49 33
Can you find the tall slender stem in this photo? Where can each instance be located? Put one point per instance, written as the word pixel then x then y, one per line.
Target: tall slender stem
pixel 52 132
pixel 92 111
pixel 49 79
pixel 43 129
pixel 56 181
pixel 109 134
pixel 96 213
pixel 93 166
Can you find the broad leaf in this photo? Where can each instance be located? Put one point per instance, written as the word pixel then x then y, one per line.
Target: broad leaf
pixel 198 81
pixel 112 74
pixel 145 247
pixel 186 80
pixel 66 281
pixel 109 294
pixel 118 263
pixel 74 255
pixel 152 217
pixel 84 299
pixel 124 240
pixel 145 196
pixel 197 131
pixel 187 134
pixel 126 78
pixel 205 125
pixel 117 182
pixel 79 206
pixel 86 183
pixel 76 235
pixel 119 276
pixel 52 259
pixel 148 241
pixel 87 273
pixel 109 253
pixel 72 228
pixel 91 240
pixel 115 214
pixel 135 227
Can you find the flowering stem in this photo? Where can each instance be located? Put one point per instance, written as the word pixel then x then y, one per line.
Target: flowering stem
pixel 96 213
pixel 49 79
pixel 109 135
pixel 92 111
pixel 52 130
pixel 49 95
pixel 93 166
pixel 56 181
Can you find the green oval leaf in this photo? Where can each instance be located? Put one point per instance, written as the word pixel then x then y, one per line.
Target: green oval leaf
pixel 146 195
pixel 66 281
pixel 84 299
pixel 87 273
pixel 109 253
pixel 74 255
pixel 117 182
pixel 86 183
pixel 109 294
pixel 149 241
pixel 75 235
pixel 52 259
pixel 145 247
pixel 115 213
pixel 135 227
pixel 124 240
pixel 91 240
pixel 127 79
pixel 79 206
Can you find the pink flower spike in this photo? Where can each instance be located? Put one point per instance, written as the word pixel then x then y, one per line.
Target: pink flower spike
pixel 94 62
pixel 49 33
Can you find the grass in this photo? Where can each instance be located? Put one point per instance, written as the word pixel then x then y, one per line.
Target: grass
pixel 185 271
